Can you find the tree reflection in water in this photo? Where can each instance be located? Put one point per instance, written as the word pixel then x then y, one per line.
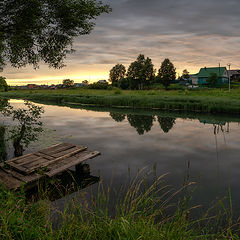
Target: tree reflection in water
pixel 118 117
pixel 3 103
pixel 166 123
pixel 142 123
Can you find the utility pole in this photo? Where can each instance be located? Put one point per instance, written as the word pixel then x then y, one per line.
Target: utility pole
pixel 219 77
pixel 229 80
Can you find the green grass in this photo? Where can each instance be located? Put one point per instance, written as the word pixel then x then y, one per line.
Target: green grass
pixel 142 212
pixel 200 100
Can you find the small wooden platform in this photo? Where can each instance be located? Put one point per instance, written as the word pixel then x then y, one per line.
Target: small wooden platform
pixel 30 168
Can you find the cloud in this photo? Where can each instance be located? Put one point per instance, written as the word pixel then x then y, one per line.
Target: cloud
pixel 191 33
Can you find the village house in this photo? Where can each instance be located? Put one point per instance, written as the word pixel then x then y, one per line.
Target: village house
pixel 234 75
pixel 204 73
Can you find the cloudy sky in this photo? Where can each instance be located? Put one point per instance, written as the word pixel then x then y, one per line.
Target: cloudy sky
pixel 191 33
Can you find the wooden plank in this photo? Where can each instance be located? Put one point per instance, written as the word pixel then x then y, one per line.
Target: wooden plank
pixel 19 176
pixel 65 152
pixel 36 163
pixel 29 160
pixel 56 149
pixel 9 181
pixel 32 169
pixel 18 158
pixel 72 162
pixel 44 156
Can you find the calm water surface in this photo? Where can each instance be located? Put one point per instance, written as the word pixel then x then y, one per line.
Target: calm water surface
pixel 132 142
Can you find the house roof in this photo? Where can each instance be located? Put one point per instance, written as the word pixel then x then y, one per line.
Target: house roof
pixel 205 72
pixel 233 72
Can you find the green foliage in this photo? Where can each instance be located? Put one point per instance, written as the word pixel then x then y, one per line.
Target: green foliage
pixel 212 79
pixel 19 220
pixel 201 100
pixel 141 72
pixel 67 83
pixel 167 73
pixel 185 74
pixel 141 212
pixel 116 74
pixel 3 84
pixel 124 83
pixel 43 30
pixel 98 86
pixel 29 125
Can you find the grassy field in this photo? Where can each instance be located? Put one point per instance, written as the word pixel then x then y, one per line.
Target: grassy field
pixel 138 215
pixel 186 100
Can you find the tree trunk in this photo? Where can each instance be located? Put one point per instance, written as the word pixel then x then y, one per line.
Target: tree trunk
pixel 18 148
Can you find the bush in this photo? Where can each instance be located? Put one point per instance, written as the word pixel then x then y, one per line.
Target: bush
pixel 98 86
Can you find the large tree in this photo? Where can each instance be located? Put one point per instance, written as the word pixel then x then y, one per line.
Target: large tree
pixel 3 84
pixel 167 73
pixel 116 74
pixel 141 72
pixel 185 74
pixel 43 30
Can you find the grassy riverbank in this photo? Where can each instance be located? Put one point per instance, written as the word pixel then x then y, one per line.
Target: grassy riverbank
pixel 138 215
pixel 200 100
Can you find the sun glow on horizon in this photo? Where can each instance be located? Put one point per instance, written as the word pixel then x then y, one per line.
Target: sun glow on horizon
pixel 57 79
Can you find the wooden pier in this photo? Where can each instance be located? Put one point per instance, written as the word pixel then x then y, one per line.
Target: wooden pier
pixel 31 168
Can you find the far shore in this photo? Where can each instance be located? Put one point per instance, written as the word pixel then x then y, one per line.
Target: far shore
pixel 218 101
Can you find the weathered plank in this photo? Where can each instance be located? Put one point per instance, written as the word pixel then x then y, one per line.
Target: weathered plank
pixel 36 162
pixel 44 156
pixel 9 181
pixel 29 170
pixel 23 178
pixel 22 169
pixel 18 158
pixel 68 151
pixel 29 160
pixel 72 162
pixel 56 149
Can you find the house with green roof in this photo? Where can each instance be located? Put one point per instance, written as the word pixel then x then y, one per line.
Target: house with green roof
pixel 204 73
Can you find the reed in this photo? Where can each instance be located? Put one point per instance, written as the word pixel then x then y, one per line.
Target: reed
pixel 139 211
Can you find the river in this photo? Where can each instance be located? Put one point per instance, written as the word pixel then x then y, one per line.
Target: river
pixel 205 150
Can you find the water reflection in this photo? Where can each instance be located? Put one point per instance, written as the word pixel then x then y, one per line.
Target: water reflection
pixel 166 123
pixel 142 123
pixel 3 103
pixel 118 117
pixel 65 184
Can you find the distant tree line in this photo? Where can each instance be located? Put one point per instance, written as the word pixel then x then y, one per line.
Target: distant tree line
pixel 141 74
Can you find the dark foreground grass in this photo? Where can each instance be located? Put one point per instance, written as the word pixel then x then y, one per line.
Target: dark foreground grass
pixel 204 101
pixel 139 214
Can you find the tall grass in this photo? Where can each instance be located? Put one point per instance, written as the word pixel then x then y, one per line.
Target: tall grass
pixel 140 211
